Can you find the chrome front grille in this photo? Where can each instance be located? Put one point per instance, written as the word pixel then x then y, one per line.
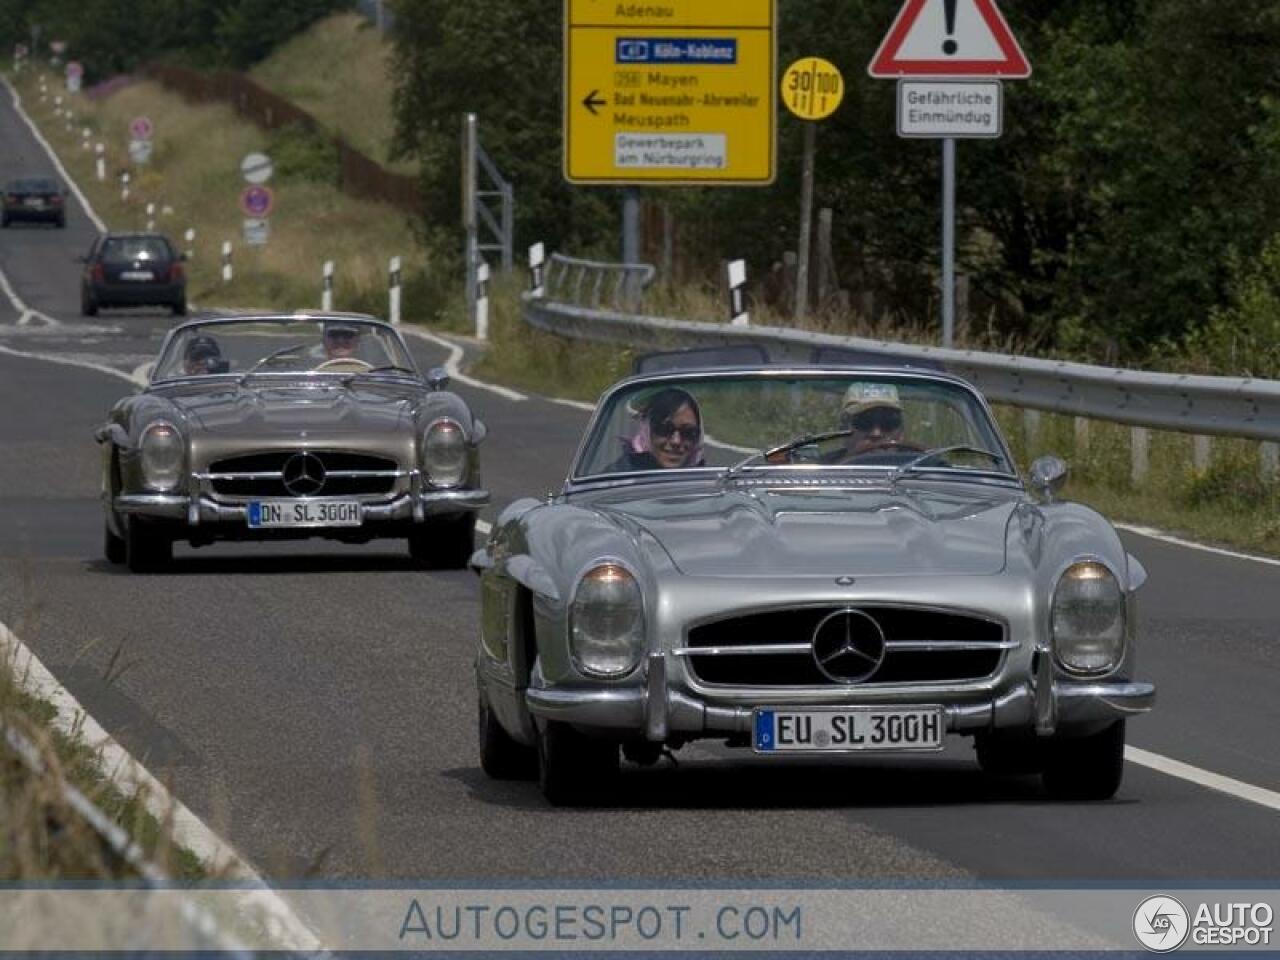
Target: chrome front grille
pixel 775 648
pixel 344 474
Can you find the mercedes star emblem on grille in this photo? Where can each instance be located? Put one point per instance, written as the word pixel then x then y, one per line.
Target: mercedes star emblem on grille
pixel 848 646
pixel 303 475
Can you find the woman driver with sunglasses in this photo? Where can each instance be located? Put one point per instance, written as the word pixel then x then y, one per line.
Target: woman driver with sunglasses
pixel 670 435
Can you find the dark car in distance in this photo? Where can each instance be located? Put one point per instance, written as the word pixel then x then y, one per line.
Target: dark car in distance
pixel 38 199
pixel 133 269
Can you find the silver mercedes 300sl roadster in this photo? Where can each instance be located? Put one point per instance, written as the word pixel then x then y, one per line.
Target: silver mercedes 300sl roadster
pixel 805 562
pixel 285 427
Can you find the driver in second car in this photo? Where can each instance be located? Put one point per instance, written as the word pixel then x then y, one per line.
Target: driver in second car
pixel 872 413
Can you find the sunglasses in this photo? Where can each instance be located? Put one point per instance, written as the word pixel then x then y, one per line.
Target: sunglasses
pixel 340 335
pixel 689 434
pixel 885 420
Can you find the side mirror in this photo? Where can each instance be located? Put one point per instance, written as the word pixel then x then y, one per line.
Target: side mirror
pixel 437 378
pixel 1048 474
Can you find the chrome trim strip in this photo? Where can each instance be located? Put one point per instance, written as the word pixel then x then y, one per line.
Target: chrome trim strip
pixel 747 650
pixel 276 475
pixel 923 646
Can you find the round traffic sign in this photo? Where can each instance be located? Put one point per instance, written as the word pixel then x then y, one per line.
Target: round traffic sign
pixel 141 128
pixel 75 69
pixel 257 201
pixel 812 88
pixel 256 168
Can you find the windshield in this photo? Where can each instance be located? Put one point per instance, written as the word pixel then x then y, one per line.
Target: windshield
pixel 129 249
pixel 758 421
pixel 295 345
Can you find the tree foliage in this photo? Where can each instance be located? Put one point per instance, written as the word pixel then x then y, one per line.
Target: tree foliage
pixel 1143 149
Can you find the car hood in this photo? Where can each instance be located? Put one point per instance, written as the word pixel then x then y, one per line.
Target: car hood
pixel 860 533
pixel 286 409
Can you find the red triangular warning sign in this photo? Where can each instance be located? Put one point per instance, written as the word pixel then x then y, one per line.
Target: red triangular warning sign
pixel 949 38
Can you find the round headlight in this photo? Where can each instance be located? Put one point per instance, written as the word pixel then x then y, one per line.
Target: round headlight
pixel 606 622
pixel 163 453
pixel 1088 619
pixel 444 453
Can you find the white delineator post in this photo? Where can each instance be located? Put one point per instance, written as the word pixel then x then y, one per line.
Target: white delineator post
pixel 393 290
pixel 326 292
pixel 151 217
pixel 85 133
pixel 124 187
pixel 100 150
pixel 482 301
pixel 226 261
pixel 537 270
pixel 737 274
pixel 190 237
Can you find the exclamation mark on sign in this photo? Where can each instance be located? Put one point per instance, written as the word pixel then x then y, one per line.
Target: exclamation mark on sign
pixel 949 45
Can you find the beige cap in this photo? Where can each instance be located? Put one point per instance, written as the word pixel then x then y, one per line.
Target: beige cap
pixel 866 396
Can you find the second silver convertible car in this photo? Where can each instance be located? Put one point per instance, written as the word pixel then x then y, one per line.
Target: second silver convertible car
pixel 805 562
pixel 285 427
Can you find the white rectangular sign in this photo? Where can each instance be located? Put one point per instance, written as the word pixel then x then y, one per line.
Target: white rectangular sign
pixel 940 109
pixel 670 151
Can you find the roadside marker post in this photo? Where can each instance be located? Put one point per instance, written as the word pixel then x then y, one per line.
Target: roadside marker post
pixel 190 238
pixel 326 294
pixel 100 150
pixel 393 292
pixel 151 217
pixel 226 261
pixel 736 273
pixel 124 187
pixel 537 270
pixel 85 133
pixel 952 42
pixel 482 301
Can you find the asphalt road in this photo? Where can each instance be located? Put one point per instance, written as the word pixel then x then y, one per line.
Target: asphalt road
pixel 315 703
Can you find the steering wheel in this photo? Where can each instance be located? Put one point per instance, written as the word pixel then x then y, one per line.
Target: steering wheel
pixel 342 365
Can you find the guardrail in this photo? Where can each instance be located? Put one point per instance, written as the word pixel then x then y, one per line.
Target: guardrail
pixel 589 282
pixel 1192 404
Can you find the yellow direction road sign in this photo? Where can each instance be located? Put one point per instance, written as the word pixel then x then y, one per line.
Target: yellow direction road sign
pixel 671 92
pixel 812 88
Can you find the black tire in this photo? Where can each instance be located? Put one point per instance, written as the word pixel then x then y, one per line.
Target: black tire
pixel 1009 755
pixel 61 222
pixel 179 307
pixel 573 769
pixel 501 756
pixel 1085 768
pixel 444 543
pixel 4 222
pixel 113 547
pixel 88 305
pixel 147 550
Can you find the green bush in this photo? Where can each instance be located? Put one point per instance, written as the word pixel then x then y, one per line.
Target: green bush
pixel 302 154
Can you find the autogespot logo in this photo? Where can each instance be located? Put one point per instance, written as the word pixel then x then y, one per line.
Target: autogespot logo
pixel 1161 923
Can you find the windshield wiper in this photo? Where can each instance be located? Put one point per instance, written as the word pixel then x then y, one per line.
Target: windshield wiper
pixel 924 458
pixel 294 348
pixel 387 368
pixel 801 441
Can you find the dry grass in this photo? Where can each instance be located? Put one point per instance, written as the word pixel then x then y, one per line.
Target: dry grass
pixel 194 182
pixel 352 95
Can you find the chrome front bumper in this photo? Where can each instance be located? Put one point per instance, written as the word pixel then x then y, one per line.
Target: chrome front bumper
pixel 659 711
pixel 203 510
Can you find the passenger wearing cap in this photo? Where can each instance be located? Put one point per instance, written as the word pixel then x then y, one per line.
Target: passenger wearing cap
pixel 872 413
pixel 203 356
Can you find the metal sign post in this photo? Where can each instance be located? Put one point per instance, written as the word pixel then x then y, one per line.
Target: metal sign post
pixel 948 241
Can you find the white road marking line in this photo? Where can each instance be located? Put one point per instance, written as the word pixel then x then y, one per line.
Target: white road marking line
pixel 75 187
pixel 451 366
pixel 25 313
pixel 1214 781
pixel 69 362
pixel 1154 534
pixel 133 779
pixel 576 404
pixel 142 372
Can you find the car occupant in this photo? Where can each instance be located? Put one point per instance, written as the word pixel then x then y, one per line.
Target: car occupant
pixel 203 356
pixel 670 434
pixel 872 412
pixel 341 341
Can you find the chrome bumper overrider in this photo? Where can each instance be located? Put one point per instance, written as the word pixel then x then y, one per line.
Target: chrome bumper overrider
pixel 205 510
pixel 658 711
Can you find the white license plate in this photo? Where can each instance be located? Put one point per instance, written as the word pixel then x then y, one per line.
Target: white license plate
pixel 34 202
pixel 847 729
pixel 137 275
pixel 304 513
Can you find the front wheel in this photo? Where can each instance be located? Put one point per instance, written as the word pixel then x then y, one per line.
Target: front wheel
pixel 179 307
pixel 88 305
pixel 1085 768
pixel 146 550
pixel 444 543
pixel 113 547
pixel 501 756
pixel 574 769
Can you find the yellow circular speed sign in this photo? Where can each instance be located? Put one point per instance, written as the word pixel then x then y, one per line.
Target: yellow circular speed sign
pixel 812 88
